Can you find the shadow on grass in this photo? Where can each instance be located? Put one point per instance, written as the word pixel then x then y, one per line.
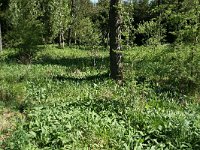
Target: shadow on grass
pixel 99 77
pixel 23 56
pixel 100 105
pixel 77 62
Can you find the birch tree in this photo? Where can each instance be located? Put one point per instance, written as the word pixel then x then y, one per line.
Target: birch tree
pixel 60 19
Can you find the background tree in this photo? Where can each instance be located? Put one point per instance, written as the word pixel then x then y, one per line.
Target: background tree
pixel 101 20
pixel 153 31
pixel 80 15
pixel 27 29
pixel 46 16
pixel 5 27
pixel 127 27
pixel 59 19
pixel 72 6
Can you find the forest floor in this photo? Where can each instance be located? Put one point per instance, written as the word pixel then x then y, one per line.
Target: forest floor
pixel 64 99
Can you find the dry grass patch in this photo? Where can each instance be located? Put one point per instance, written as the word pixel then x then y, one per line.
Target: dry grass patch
pixel 7 123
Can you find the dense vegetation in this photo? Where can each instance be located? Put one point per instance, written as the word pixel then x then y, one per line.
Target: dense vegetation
pixel 56 74
pixel 67 101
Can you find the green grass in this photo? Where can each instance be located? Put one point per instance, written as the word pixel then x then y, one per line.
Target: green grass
pixel 64 99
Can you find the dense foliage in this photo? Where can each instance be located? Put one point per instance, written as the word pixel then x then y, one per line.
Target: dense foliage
pixel 78 21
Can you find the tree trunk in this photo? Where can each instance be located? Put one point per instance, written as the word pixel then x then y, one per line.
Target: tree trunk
pixel 69 36
pixel 0 39
pixel 72 13
pixel 60 40
pixel 75 42
pixel 159 2
pixel 115 47
pixel 63 40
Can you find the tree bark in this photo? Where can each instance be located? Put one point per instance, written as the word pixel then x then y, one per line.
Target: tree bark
pixel 72 14
pixel 0 39
pixel 115 47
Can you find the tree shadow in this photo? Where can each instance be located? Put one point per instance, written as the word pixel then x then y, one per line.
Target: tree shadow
pixel 23 56
pixel 97 77
pixel 77 62
pixel 99 105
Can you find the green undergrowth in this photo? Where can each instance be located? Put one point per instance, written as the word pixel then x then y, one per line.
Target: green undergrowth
pixel 67 101
pixel 167 68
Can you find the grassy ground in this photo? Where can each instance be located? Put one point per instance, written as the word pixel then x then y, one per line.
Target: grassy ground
pixel 64 99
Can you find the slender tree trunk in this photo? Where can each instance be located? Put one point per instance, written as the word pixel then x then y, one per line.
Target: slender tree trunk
pixel 0 39
pixel 63 40
pixel 59 40
pixel 108 39
pixel 69 36
pixel 75 38
pixel 115 47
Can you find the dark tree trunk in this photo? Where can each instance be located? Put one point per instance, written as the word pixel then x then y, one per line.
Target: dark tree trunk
pixel 115 47
pixel 0 39
pixel 60 39
pixel 72 12
pixel 159 2
pixel 69 36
